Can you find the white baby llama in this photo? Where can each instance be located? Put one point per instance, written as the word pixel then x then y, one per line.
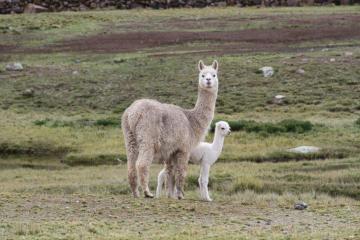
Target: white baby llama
pixel 168 133
pixel 206 155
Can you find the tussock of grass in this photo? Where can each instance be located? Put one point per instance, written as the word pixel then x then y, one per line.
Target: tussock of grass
pixel 284 126
pixel 246 182
pixel 34 148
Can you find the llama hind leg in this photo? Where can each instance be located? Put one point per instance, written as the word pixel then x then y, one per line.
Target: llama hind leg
pixel 145 157
pixel 132 175
pixel 132 154
pixel 170 181
pixel 182 159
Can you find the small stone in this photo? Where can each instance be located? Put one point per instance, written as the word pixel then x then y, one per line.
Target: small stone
pixel 324 49
pixel 348 54
pixel 279 99
pixel 332 59
pixel 267 71
pixel 304 149
pixel 28 92
pixel 300 206
pixel 75 72
pixel 14 67
pixel 300 71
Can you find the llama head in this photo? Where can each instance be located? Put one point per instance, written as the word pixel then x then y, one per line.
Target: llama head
pixel 208 76
pixel 223 128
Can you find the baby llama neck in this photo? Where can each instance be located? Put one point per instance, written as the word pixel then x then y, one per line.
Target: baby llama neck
pixel 218 141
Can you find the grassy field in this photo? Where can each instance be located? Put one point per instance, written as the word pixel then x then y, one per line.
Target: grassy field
pixel 62 156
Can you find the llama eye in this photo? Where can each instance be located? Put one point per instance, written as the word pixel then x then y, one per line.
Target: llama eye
pixel 203 76
pixel 214 75
pixel 223 128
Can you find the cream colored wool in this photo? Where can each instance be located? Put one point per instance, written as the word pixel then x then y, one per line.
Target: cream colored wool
pixel 205 154
pixel 167 133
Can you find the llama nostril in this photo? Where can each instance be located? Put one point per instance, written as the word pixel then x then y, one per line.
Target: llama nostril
pixel 208 79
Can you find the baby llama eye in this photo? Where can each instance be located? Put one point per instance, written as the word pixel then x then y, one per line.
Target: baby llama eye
pixel 214 75
pixel 203 75
pixel 223 128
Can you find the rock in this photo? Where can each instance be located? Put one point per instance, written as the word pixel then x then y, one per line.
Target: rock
pixel 279 99
pixel 300 206
pixel 14 67
pixel 221 4
pixel 82 7
pixel 332 59
pixel 28 92
pixel 33 8
pixel 305 59
pixel 75 72
pixel 324 49
pixel 304 149
pixel 267 71
pixel 93 5
pixel 300 71
pixel 348 54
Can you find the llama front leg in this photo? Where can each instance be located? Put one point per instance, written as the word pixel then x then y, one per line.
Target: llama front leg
pixel 182 159
pixel 204 181
pixel 160 182
pixel 146 155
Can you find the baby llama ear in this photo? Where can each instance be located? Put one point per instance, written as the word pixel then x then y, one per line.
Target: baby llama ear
pixel 215 65
pixel 201 65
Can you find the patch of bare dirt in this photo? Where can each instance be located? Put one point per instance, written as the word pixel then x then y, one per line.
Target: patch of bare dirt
pixel 338 27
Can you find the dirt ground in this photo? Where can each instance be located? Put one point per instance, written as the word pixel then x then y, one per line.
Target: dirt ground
pixel 339 27
pixel 136 216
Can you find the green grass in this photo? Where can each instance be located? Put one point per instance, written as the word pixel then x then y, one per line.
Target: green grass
pixel 62 155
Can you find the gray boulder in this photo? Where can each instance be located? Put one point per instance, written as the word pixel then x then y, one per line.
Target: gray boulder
pixel 14 67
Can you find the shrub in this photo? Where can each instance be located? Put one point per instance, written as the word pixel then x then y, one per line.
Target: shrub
pixel 109 122
pixel 106 122
pixel 285 126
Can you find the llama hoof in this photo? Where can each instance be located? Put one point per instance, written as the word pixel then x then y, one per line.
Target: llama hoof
pixel 208 199
pixel 136 194
pixel 180 195
pixel 148 195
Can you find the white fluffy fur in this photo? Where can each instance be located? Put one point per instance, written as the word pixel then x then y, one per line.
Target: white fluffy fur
pixel 206 155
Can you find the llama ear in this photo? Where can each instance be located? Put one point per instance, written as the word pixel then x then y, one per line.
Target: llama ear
pixel 201 65
pixel 215 65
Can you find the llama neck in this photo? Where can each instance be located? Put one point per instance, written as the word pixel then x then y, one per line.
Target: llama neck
pixel 203 112
pixel 218 142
